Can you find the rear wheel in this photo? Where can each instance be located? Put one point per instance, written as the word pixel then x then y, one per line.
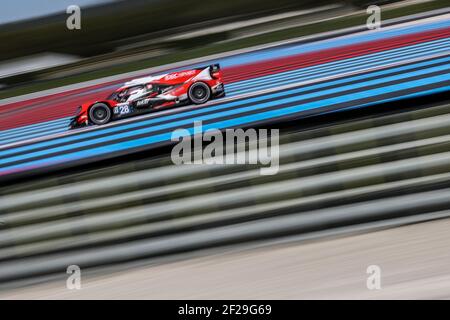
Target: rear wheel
pixel 100 113
pixel 199 93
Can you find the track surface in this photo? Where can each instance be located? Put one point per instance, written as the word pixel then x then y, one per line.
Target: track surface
pixel 362 171
pixel 362 174
pixel 413 260
pixel 62 104
pixel 297 81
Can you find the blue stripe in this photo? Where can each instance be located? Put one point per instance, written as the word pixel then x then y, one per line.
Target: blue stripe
pixel 215 108
pixel 18 130
pixel 296 79
pixel 264 82
pixel 291 50
pixel 153 121
pixel 32 131
pixel 231 112
pixel 330 43
pixel 36 134
pixel 234 122
pixel 369 61
pixel 304 74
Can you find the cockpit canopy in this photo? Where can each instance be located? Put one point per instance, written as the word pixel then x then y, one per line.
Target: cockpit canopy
pixel 123 95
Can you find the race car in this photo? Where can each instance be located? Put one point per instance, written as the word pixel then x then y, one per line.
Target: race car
pixel 195 86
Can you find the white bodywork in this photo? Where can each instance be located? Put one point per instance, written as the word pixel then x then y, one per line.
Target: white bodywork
pixel 135 94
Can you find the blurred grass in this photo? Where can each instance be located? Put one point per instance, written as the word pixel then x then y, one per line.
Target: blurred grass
pixel 118 20
pixel 310 29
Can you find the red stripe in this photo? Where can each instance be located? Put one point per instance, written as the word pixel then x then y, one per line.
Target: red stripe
pixel 48 111
pixel 60 105
pixel 267 67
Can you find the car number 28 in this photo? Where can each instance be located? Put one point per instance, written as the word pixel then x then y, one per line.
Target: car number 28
pixel 122 110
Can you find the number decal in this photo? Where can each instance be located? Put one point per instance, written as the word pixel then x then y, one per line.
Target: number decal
pixel 124 109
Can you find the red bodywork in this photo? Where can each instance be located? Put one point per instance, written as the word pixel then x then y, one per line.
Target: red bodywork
pixel 155 92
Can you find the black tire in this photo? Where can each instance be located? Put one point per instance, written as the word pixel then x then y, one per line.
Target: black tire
pixel 100 113
pixel 199 93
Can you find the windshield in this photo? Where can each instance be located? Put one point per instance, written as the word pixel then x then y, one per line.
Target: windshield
pixel 122 95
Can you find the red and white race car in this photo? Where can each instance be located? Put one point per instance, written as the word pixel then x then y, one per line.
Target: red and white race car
pixel 153 93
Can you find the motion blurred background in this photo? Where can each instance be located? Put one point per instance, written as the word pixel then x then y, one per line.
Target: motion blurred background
pixel 121 36
pixel 355 188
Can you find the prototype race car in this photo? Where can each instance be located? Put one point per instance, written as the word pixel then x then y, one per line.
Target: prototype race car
pixel 150 93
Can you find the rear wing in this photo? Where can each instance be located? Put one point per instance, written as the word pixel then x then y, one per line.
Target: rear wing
pixel 213 68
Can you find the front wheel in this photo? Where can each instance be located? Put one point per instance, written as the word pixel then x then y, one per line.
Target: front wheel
pixel 199 93
pixel 100 113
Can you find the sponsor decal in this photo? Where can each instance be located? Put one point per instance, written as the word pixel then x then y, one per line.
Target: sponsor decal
pixel 177 75
pixel 143 102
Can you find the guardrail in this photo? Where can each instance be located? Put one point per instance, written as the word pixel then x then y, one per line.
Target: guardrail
pixel 346 174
